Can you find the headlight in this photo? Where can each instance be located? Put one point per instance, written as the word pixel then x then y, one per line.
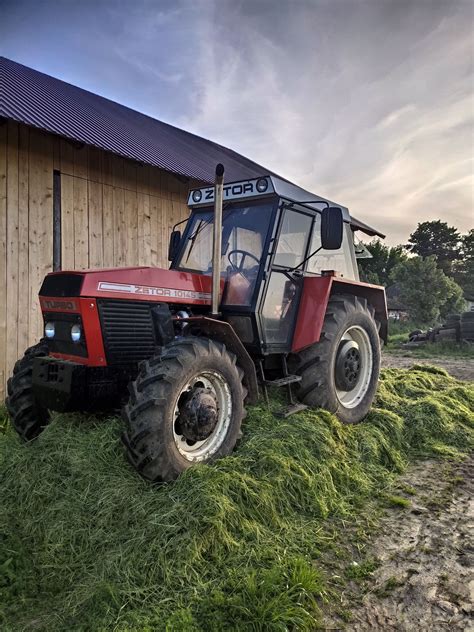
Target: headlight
pixel 262 185
pixel 49 330
pixel 197 195
pixel 76 333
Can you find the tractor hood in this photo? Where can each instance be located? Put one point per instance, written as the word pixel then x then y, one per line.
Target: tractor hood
pixel 142 283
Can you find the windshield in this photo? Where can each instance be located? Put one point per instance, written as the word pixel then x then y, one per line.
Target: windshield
pixel 244 230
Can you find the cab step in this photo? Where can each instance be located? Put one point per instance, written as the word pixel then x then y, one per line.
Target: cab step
pixel 284 381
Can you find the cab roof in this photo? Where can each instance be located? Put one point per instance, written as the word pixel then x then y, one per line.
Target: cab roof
pixel 273 186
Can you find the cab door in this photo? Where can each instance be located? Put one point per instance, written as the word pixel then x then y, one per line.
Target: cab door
pixel 279 305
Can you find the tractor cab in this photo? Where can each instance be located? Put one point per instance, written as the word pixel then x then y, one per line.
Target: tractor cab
pixel 274 234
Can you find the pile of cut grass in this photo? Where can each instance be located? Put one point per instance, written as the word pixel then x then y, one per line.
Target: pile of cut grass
pixel 86 545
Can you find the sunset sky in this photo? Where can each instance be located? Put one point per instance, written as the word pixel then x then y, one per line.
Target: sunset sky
pixel 368 102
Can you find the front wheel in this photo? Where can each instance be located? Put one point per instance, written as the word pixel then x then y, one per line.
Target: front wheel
pixel 340 372
pixel 27 416
pixel 185 407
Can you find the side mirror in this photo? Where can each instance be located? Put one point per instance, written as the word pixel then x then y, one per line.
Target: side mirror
pixel 332 226
pixel 175 239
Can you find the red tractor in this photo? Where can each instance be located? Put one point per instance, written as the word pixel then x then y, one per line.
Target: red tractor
pixel 262 291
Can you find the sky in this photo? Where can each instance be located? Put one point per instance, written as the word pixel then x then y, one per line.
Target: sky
pixel 367 102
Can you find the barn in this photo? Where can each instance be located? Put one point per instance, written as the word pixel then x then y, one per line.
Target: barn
pixel 84 183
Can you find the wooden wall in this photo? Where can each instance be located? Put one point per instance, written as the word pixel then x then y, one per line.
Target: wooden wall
pixel 115 212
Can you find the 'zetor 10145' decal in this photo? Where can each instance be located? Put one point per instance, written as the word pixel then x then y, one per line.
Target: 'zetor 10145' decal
pixel 149 290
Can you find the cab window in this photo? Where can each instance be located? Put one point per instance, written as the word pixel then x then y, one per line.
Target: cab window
pixel 339 260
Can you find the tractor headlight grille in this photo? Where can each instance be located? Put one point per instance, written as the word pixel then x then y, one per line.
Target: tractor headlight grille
pixel 61 334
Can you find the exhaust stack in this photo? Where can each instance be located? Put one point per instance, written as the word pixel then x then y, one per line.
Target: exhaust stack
pixel 217 239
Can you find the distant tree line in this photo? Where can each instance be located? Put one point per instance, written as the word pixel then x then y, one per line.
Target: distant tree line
pixel 433 272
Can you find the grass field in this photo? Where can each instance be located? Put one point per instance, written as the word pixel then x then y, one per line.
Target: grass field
pixel 442 349
pixel 398 334
pixel 86 545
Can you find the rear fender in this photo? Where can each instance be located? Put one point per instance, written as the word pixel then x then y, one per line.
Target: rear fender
pixel 314 301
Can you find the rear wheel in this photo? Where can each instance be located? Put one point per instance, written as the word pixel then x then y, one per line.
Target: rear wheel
pixel 340 372
pixel 185 407
pixel 27 416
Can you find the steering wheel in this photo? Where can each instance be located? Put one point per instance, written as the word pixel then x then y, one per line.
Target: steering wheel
pixel 244 254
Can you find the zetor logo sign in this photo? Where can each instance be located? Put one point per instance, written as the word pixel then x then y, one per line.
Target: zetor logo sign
pixel 245 189
pixel 150 290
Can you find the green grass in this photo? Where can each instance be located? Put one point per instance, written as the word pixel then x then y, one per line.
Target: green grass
pixel 397 501
pixel 86 545
pixel 364 570
pixel 4 423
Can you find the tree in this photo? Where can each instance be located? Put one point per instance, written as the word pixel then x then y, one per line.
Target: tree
pixel 380 267
pixel 464 274
pixel 437 239
pixel 424 288
pixel 454 300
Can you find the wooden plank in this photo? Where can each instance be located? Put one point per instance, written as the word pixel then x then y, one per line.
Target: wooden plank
pixel 108 226
pixel 94 165
pixel 80 161
pixel 119 227
pixel 120 238
pixel 23 223
pixel 12 246
pixel 56 153
pixel 107 168
pixel 130 212
pixel 67 222
pixel 144 230
pixel 129 175
pixel 3 257
pixel 156 180
pixel 96 256
pixel 166 185
pixel 164 220
pixel 155 229
pixel 81 224
pixel 142 179
pixel 66 157
pixel 40 222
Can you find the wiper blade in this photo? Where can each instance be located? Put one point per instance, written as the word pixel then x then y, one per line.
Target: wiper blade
pixel 202 225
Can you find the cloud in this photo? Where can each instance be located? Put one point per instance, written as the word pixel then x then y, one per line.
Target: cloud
pixel 367 103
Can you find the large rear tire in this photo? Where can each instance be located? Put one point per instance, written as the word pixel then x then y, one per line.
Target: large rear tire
pixel 340 372
pixel 186 406
pixel 27 416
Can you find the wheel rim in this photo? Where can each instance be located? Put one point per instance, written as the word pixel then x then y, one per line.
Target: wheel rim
pixel 353 367
pixel 204 392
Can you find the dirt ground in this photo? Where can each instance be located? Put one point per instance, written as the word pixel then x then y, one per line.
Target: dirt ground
pixel 425 557
pixel 460 368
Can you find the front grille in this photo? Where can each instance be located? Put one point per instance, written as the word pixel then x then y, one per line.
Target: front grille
pixel 127 329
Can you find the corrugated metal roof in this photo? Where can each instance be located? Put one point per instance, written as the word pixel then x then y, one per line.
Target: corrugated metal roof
pixel 39 100
pixel 34 98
